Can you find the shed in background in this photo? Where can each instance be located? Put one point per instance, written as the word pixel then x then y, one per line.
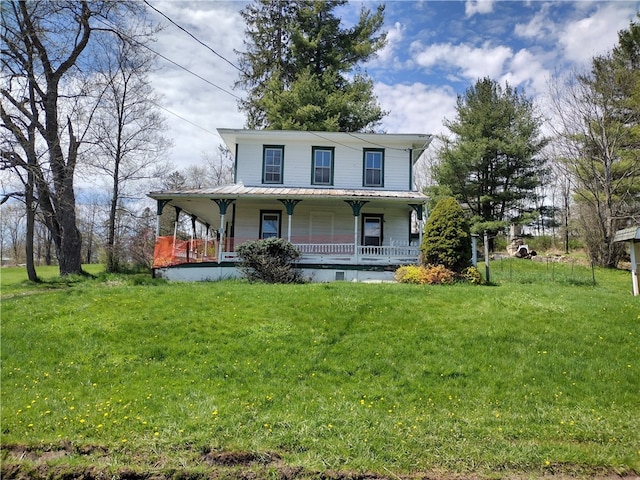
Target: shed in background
pixel 632 235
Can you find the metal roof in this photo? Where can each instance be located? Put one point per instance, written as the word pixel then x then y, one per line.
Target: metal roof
pixel 237 191
pixel 631 233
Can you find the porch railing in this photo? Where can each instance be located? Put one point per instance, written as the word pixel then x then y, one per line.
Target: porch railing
pixel 312 253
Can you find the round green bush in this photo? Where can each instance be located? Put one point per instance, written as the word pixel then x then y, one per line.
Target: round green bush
pixel 271 260
pixel 447 237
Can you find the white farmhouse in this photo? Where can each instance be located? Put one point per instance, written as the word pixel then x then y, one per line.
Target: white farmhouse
pixel 346 200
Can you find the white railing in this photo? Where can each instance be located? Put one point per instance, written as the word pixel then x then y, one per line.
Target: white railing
pixel 389 251
pixel 329 253
pixel 325 248
pixel 343 253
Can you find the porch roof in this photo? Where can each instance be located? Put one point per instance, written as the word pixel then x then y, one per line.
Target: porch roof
pixel 237 190
pixel 631 233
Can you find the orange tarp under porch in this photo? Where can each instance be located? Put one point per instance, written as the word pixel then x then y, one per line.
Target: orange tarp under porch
pixel 169 251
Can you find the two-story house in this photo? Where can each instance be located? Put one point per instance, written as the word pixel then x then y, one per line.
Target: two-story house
pixel 346 200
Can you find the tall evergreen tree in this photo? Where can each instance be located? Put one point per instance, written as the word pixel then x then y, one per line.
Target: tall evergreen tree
pixel 491 164
pixel 300 67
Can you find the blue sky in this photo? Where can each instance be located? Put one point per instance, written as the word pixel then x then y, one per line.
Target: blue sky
pixel 436 50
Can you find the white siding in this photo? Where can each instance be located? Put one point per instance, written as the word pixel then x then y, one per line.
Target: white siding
pixel 348 165
pixel 319 221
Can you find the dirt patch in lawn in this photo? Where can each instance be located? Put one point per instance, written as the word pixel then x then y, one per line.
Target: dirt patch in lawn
pixel 92 462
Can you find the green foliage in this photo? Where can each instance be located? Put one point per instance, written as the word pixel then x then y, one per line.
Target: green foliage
pixel 313 103
pixel 492 163
pixel 424 275
pixel 270 260
pixel 471 275
pixel 447 240
pixel 300 67
pixel 391 380
pixel 602 136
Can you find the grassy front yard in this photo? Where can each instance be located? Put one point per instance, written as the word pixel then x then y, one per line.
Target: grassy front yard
pixel 526 377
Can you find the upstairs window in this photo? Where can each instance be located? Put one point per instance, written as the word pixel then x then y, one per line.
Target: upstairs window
pixel 272 164
pixel 373 168
pixel 322 173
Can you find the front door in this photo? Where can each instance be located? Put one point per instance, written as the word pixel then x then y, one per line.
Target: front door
pixel 372 230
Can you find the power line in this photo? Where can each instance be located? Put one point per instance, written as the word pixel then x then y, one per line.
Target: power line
pixel 171 61
pixel 334 141
pixel 193 73
pixel 193 36
pixel 186 120
pixel 377 144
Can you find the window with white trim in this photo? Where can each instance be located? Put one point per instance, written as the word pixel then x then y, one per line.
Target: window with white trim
pixel 322 173
pixel 272 164
pixel 373 168
pixel 269 224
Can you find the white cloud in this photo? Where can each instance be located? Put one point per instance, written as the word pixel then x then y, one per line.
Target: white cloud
pixel 184 94
pixel 526 70
pixel 584 38
pixel 471 62
pixel 415 108
pixel 395 35
pixel 540 26
pixel 472 7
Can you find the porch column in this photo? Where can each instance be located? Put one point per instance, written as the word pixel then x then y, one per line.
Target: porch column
pixel 160 207
pixel 356 205
pixel 223 204
pixel 289 204
pixel 206 238
pixel 175 231
pixel 193 235
pixel 418 208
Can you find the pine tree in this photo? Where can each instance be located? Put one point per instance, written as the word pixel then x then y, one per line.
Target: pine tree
pixel 492 164
pixel 300 67
pixel 447 240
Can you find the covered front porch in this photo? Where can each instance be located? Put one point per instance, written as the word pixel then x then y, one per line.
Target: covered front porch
pixel 331 228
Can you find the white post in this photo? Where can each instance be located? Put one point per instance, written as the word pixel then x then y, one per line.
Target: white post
pixel 355 237
pixel 486 256
pixel 474 249
pixel 635 258
pixel 175 233
pixel 289 229
pixel 221 238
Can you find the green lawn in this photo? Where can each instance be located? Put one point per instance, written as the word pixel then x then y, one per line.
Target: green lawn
pixel 537 374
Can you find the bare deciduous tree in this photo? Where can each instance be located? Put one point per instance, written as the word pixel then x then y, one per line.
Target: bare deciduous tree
pixel 47 61
pixel 127 130
pixel 599 143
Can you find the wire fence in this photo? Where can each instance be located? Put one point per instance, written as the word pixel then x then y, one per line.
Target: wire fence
pixel 539 269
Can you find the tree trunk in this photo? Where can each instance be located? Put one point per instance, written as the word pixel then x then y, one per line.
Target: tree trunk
pixel 31 217
pixel 112 256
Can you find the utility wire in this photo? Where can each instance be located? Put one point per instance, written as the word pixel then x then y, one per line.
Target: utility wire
pixel 186 120
pixel 194 74
pixel 193 36
pixel 379 145
pixel 334 141
pixel 171 61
